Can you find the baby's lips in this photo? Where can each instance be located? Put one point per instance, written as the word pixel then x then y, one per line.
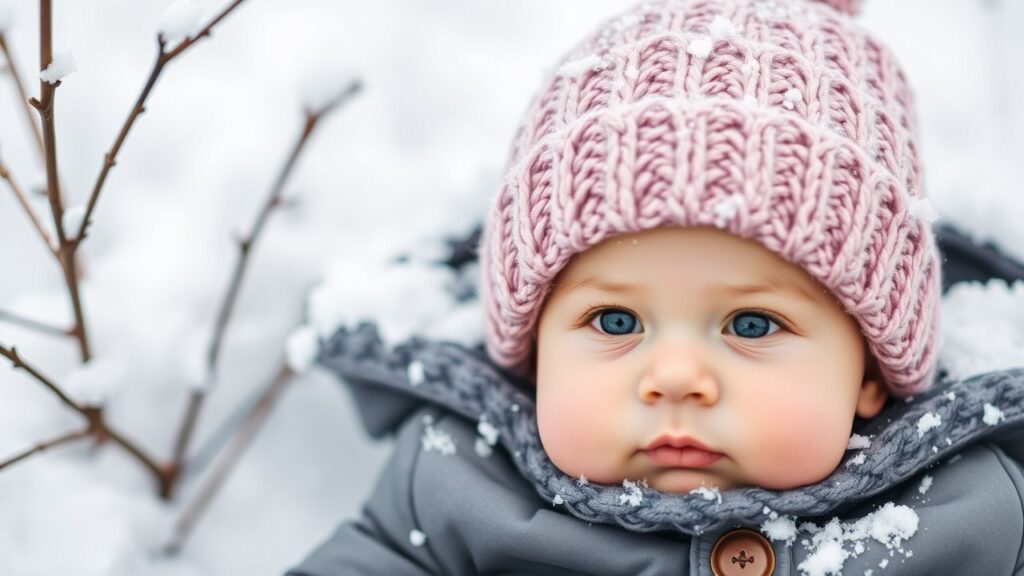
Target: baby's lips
pixel 688 457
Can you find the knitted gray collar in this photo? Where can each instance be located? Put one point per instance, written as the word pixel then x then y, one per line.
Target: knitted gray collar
pixel 906 437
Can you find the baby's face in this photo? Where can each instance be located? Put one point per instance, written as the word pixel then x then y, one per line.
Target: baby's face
pixel 693 335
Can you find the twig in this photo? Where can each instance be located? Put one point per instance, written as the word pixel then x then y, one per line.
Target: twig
pixel 20 86
pixel 44 105
pixel 196 398
pixel 93 415
pixel 253 421
pixel 6 175
pixel 33 324
pixel 163 58
pixel 41 446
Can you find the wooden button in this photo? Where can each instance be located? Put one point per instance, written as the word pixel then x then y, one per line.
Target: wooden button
pixel 742 552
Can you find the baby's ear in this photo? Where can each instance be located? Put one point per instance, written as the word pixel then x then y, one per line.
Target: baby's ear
pixel 873 393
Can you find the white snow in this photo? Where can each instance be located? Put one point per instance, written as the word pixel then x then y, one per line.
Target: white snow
pixel 780 528
pixel 415 373
pixel 791 97
pixel 890 525
pixel 577 67
pixel 63 63
pixel 6 17
pixel 993 415
pixel 924 210
pixel 858 459
pixel 982 328
pixel 926 484
pixel 72 219
pixel 301 349
pixel 827 559
pixel 700 47
pixel 346 297
pixel 482 448
pixel 180 20
pixel 417 538
pixel 558 500
pixel 488 432
pixel 708 493
pixel 93 383
pixel 582 480
pixel 633 496
pixel 726 209
pixel 434 440
pixel 928 422
pixel 858 442
pixel 722 28
pixel 950 396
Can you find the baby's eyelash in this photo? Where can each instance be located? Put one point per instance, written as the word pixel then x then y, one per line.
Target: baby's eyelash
pixel 771 316
pixel 594 311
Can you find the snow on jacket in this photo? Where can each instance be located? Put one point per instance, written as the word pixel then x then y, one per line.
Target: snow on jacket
pixel 932 485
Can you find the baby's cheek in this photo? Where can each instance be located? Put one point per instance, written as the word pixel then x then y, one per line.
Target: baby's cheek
pixel 576 432
pixel 801 443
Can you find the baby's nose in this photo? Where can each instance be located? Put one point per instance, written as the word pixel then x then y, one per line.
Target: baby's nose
pixel 678 371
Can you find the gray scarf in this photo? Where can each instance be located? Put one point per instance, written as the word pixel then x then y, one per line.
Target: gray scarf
pixel 903 439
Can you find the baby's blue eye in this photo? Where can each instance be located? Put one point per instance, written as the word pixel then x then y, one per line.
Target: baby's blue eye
pixel 616 322
pixel 752 325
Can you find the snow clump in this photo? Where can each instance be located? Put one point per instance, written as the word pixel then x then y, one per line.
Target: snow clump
pixel 633 496
pixel 927 422
pixel 992 415
pixel 179 20
pixel 700 48
pixel 63 63
pixel 437 440
pixel 578 67
pixel 982 328
pixel 889 525
pixel 858 442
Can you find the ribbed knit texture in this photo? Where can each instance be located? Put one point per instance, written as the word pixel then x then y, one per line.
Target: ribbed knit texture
pixel 465 382
pixel 778 121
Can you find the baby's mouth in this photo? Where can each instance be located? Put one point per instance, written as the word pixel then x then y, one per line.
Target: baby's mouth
pixel 680 452
pixel 689 457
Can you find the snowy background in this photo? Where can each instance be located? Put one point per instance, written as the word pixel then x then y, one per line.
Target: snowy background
pixel 416 155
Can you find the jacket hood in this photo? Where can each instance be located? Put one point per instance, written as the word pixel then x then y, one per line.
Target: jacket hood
pixel 389 383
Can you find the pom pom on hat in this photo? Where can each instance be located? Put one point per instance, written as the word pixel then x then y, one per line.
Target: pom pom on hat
pixel 850 7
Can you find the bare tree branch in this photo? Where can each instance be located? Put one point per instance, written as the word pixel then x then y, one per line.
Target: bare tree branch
pixel 33 324
pixel 163 58
pixel 5 173
pixel 253 421
pixel 93 415
pixel 44 105
pixel 196 398
pixel 41 446
pixel 20 86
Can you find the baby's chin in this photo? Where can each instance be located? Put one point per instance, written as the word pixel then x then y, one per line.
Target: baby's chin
pixel 682 480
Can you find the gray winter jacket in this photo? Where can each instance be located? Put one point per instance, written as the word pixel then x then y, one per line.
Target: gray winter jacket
pixel 469 489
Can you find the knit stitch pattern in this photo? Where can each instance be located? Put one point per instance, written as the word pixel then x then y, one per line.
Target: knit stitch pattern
pixel 468 383
pixel 779 121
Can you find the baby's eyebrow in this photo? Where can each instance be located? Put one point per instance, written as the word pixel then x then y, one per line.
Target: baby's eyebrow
pixel 771 285
pixel 602 285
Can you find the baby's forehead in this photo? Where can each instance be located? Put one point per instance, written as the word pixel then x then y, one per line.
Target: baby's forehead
pixel 622 274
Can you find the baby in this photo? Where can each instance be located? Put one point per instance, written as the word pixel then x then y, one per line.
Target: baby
pixel 708 276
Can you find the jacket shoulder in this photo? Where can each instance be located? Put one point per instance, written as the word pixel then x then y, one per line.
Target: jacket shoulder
pixel 969 519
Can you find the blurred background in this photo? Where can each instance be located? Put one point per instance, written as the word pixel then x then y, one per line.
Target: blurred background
pixel 416 155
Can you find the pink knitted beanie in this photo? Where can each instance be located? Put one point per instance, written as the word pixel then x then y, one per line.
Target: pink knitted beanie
pixel 780 121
